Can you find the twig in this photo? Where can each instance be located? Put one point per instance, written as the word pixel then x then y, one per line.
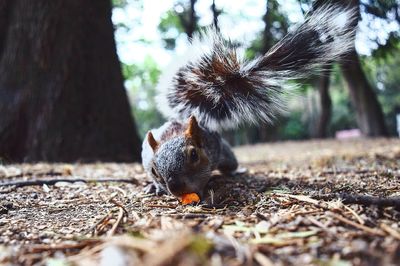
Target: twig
pixel 347 199
pixel 92 229
pixel 189 216
pixel 120 190
pixel 117 222
pixel 361 221
pixel 317 223
pixel 161 206
pixel 394 233
pixel 300 198
pixel 344 171
pixel 42 182
pixel 214 206
pixel 50 173
pixel 63 246
pixel 304 198
pixel 364 199
pixel 262 259
pixel 102 224
pixel 125 241
pixel 119 205
pixel 372 231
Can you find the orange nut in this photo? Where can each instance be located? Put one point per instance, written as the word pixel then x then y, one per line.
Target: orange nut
pixel 189 198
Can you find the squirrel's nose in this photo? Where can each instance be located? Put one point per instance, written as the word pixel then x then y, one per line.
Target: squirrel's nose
pixel 175 186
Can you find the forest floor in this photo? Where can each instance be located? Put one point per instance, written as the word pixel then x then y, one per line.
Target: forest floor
pixel 299 203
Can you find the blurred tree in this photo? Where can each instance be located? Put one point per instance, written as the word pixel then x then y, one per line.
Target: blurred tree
pixel 188 18
pixel 368 110
pixel 61 89
pixel 275 27
pixel 325 113
pixel 369 113
pixel 385 73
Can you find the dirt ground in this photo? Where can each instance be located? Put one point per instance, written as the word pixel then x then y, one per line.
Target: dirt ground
pixel 298 203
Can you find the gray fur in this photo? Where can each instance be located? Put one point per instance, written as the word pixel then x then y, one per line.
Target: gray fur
pixel 172 165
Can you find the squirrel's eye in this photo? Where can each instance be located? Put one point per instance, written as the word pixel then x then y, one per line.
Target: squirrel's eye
pixel 194 157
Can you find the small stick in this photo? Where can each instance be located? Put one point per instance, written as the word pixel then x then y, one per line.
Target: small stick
pixel 365 171
pixel 189 216
pixel 93 228
pixel 317 223
pixel 120 190
pixel 161 206
pixel 300 198
pixel 365 200
pixel 50 173
pixel 42 182
pixel 119 205
pixel 115 225
pixel 394 233
pixel 262 259
pixel 372 231
pixel 361 221
pixel 101 225
pixel 41 248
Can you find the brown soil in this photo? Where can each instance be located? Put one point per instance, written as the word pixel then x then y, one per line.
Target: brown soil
pixel 304 203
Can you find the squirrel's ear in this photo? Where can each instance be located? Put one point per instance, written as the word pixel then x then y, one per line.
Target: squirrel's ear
pixel 193 131
pixel 153 143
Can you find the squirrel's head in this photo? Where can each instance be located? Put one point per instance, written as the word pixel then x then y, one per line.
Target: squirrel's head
pixel 181 163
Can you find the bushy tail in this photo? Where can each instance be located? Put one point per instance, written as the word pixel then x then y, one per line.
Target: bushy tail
pixel 222 90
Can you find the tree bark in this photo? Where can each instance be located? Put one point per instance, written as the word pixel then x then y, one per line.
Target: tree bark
pixel 325 104
pixel 61 89
pixel 268 39
pixel 369 113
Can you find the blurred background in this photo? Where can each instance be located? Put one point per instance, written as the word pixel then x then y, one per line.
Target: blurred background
pixel 78 78
pixel 158 32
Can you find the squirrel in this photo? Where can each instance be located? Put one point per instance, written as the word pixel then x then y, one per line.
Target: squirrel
pixel 214 88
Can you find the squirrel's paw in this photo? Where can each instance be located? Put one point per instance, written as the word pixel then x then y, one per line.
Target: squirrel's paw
pixel 154 189
pixel 240 170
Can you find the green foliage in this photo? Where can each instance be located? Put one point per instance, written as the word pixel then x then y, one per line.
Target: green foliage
pixel 170 20
pixel 387 50
pixel 176 21
pixel 119 3
pixel 170 27
pixel 276 26
pixel 294 126
pixel 141 80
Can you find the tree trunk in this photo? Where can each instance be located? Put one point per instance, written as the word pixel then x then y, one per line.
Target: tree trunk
pixel 61 89
pixel 325 104
pixel 268 39
pixel 369 114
